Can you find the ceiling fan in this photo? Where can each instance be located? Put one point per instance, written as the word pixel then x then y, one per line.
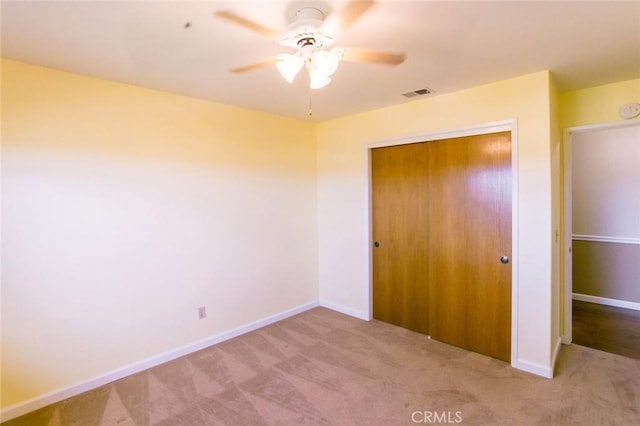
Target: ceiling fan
pixel 310 34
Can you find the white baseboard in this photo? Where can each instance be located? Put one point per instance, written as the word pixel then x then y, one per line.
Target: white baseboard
pixel 539 369
pixel 58 395
pixel 606 301
pixel 534 368
pixel 344 310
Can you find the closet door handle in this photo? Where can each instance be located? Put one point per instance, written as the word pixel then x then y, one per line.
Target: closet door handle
pixel 377 244
pixel 504 259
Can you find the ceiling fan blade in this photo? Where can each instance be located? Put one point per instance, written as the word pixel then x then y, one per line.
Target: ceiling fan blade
pixel 336 23
pixel 372 57
pixel 248 24
pixel 256 65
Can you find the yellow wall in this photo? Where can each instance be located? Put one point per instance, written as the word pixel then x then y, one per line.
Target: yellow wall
pixel 597 105
pixel 125 209
pixel 343 196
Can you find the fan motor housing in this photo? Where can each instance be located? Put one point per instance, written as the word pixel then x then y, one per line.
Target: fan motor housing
pixel 306 26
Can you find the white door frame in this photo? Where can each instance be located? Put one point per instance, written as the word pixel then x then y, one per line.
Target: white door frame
pixel 567 332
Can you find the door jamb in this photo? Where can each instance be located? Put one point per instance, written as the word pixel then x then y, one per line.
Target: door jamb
pixel 567 332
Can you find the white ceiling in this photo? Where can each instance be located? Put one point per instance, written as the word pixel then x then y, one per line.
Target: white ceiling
pixel 450 45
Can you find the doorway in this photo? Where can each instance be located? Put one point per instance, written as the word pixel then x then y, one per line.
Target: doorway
pixel 602 236
pixel 442 225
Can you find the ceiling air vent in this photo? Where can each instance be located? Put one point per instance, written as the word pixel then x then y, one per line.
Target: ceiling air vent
pixel 418 92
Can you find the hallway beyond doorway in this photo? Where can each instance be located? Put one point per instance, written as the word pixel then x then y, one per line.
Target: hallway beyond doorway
pixel 607 328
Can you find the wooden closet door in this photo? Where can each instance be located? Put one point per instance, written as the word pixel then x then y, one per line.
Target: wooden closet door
pixel 400 232
pixel 469 190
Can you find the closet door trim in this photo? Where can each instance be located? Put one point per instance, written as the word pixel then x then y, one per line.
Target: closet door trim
pixel 479 129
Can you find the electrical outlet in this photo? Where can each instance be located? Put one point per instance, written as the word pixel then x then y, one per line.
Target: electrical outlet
pixel 202 312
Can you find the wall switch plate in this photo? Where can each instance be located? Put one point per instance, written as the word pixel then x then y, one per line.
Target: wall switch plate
pixel 202 312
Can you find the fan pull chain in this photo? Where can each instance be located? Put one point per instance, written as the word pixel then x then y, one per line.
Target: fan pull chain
pixel 310 112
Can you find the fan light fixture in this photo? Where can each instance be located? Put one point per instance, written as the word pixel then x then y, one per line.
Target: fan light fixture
pixel 310 34
pixel 289 66
pixel 320 64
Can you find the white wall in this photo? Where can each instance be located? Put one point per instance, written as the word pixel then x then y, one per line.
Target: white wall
pixel 343 203
pixel 125 209
pixel 606 182
pixel 605 169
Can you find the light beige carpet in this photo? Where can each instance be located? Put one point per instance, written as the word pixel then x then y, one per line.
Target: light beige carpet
pixel 322 367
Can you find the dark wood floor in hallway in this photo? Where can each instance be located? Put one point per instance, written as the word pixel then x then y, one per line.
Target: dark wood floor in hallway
pixel 607 328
